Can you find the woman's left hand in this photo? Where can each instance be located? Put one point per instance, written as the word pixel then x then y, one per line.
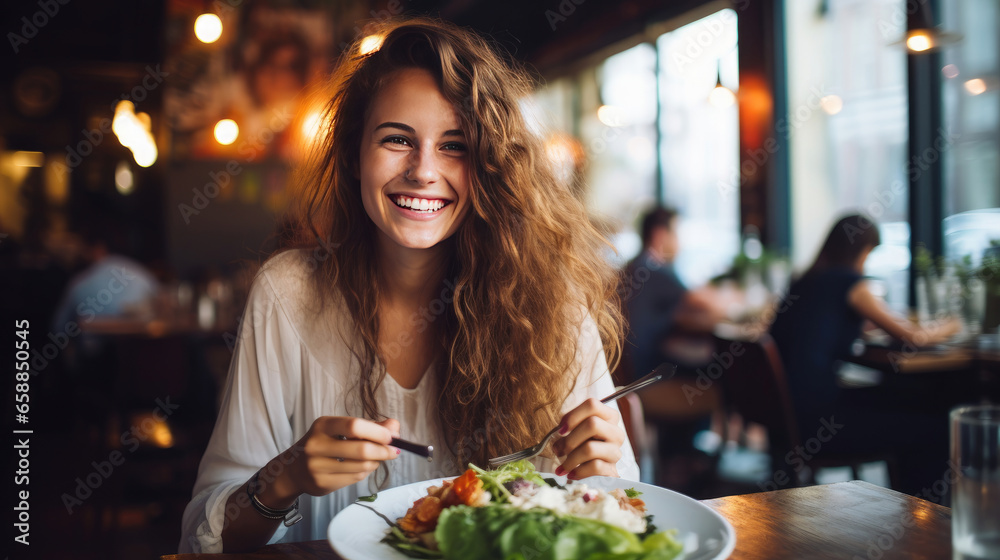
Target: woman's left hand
pixel 592 441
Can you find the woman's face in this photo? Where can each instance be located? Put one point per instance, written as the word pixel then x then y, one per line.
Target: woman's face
pixel 414 162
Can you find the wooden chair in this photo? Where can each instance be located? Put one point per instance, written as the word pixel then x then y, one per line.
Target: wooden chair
pixel 644 426
pixel 754 386
pixel 641 435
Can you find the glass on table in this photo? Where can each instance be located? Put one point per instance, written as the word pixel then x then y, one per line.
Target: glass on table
pixel 975 454
pixel 975 306
pixel 923 300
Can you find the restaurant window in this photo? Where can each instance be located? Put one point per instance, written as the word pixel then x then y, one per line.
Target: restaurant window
pixel 699 146
pixel 970 95
pixel 847 126
pixel 643 117
pixel 620 134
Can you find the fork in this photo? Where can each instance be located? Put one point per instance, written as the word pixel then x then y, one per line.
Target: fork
pixel 663 371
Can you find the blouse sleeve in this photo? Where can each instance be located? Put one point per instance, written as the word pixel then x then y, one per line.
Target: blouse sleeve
pixel 594 380
pixel 253 424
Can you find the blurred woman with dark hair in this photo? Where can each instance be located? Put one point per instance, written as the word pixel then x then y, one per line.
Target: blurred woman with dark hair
pixel 827 306
pixel 822 316
pixel 458 297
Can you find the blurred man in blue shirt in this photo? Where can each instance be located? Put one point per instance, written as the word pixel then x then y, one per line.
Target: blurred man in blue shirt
pixel 656 300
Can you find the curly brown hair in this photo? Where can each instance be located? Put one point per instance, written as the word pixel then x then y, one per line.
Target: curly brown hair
pixel 526 265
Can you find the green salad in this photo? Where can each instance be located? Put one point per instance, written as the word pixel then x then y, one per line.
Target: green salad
pixel 512 513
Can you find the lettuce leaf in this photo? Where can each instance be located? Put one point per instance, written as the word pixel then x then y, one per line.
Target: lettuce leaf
pixel 493 481
pixel 503 533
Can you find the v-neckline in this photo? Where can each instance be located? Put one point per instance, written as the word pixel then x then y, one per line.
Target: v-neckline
pixel 418 386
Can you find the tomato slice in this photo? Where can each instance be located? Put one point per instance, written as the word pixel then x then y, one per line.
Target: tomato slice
pixel 468 487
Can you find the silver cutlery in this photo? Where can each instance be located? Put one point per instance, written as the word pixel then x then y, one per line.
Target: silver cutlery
pixel 662 371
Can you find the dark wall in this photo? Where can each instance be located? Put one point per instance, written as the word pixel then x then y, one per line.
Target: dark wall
pixel 217 214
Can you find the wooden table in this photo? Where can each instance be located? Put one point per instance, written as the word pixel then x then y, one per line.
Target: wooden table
pixel 843 520
pixel 924 360
pixel 951 374
pixel 978 353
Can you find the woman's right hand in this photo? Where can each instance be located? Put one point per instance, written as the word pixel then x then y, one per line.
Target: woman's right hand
pixel 339 451
pixel 336 452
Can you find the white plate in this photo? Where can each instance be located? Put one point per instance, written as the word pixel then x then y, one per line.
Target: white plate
pixel 355 532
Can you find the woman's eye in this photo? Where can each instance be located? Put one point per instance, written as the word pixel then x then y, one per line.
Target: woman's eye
pixel 396 140
pixel 455 147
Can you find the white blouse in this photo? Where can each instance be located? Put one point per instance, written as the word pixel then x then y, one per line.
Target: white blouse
pixel 293 364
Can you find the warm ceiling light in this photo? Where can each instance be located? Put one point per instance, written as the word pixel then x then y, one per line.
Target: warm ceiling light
pixel 226 131
pixel 29 159
pixel 721 96
pixel 134 132
pixel 145 154
pixel 208 28
pixel 831 104
pixel 370 44
pixel 975 86
pixel 919 41
pixel 922 35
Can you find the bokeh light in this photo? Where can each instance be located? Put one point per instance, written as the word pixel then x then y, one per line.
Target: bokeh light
pixel 831 104
pixel 208 28
pixel 721 96
pixel 226 131
pixel 975 86
pixel 919 41
pixel 134 132
pixel 609 115
pixel 124 180
pixel 29 159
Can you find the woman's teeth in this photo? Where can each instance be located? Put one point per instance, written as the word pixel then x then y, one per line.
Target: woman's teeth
pixel 419 204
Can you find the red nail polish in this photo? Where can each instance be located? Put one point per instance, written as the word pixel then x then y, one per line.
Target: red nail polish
pixel 560 471
pixel 563 429
pixel 397 452
pixel 572 476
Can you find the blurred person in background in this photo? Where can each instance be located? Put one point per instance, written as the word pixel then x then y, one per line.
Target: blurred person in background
pixel 112 285
pixel 825 312
pixel 658 305
pixel 669 322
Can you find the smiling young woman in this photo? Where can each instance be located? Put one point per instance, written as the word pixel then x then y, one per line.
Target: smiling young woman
pixel 414 164
pixel 460 300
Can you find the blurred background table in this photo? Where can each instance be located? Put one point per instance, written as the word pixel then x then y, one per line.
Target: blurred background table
pixel 840 520
pixel 966 370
